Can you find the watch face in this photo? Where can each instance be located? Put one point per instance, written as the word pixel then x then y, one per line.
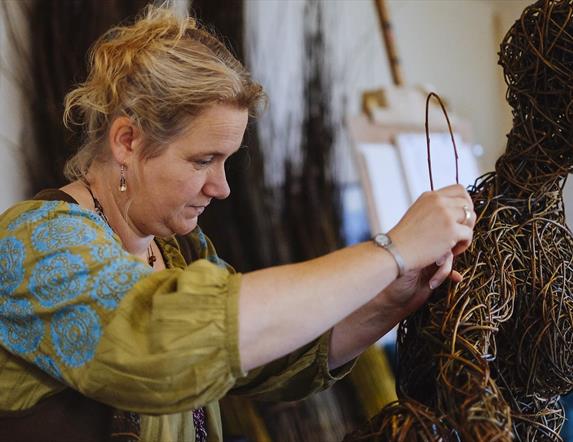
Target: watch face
pixel 382 240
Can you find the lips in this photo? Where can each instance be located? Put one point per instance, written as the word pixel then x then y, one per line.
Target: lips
pixel 198 209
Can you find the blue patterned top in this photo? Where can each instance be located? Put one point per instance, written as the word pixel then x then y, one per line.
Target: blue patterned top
pixel 74 270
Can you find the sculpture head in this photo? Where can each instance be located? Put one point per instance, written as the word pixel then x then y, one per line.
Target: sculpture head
pixel 537 60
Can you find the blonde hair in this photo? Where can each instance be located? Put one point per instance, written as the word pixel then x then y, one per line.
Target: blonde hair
pixel 161 71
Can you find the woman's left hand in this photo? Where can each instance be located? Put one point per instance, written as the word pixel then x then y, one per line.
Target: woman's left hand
pixel 412 289
pixel 368 324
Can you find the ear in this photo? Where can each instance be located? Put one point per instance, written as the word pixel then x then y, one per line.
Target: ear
pixel 124 139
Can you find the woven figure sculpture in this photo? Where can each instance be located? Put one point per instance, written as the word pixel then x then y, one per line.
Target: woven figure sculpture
pixel 487 359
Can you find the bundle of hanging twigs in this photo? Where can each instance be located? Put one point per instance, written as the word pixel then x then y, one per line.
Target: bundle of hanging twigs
pixel 489 357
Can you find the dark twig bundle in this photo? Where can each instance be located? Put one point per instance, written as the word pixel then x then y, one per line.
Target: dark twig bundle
pixel 489 357
pixel 50 62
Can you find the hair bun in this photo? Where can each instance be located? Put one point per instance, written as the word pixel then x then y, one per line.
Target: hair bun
pixel 160 70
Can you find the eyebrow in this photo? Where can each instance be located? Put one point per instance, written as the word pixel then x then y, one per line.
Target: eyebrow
pixel 218 152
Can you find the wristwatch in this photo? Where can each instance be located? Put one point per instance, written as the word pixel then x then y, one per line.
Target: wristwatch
pixel 384 241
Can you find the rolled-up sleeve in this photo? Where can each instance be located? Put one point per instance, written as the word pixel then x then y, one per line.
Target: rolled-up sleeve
pixel 295 376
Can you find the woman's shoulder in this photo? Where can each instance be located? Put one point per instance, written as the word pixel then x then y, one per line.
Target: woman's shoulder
pixel 51 207
pixel 55 195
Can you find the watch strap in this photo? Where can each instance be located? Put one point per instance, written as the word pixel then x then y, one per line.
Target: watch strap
pixel 384 241
pixel 398 258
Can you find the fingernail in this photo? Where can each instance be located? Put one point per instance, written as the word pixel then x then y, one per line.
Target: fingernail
pixel 440 261
pixel 432 285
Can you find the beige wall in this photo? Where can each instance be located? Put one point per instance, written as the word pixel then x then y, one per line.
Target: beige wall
pixel 451 45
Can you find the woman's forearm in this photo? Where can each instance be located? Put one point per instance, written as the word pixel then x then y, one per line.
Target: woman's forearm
pixel 283 308
pixel 362 328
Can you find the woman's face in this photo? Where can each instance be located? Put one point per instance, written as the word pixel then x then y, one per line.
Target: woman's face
pixel 178 185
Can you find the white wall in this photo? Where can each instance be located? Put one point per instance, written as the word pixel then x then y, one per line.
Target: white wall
pixel 12 179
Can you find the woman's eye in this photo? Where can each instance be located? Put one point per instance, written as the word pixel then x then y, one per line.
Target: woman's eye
pixel 202 162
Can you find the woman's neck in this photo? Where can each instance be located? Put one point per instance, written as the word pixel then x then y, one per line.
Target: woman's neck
pixel 114 208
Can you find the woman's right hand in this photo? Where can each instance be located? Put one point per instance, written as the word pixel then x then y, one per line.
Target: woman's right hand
pixel 434 226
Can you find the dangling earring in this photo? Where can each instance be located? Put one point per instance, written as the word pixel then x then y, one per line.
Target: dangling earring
pixel 122 181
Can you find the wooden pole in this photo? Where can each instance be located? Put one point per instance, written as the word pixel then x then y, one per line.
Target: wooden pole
pixel 388 34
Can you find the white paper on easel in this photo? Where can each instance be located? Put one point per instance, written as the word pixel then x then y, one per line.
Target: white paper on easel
pixel 384 185
pixel 413 157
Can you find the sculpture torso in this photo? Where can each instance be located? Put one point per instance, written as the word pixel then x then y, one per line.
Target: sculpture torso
pixel 488 358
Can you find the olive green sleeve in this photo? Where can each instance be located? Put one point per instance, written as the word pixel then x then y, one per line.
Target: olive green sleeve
pixel 294 376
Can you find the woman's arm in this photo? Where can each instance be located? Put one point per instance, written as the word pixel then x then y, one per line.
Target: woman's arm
pixel 282 308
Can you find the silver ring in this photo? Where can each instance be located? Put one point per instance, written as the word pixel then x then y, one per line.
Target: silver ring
pixel 467 214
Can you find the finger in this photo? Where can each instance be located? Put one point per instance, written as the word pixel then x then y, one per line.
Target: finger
pixel 458 201
pixel 441 260
pixel 468 216
pixel 452 189
pixel 461 213
pixel 464 235
pixel 455 190
pixel 458 208
pixel 442 273
pixel 455 276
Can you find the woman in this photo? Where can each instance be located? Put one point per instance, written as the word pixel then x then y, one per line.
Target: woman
pixel 112 297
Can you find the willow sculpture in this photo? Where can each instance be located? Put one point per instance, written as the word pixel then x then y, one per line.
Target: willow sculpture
pixel 488 358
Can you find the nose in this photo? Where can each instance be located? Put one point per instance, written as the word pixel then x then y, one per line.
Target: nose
pixel 216 185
